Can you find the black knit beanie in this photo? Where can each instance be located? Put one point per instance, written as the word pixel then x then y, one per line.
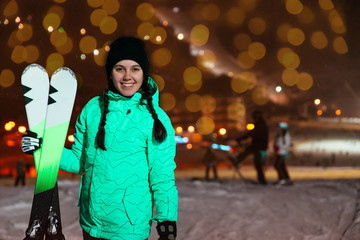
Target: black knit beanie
pixel 130 48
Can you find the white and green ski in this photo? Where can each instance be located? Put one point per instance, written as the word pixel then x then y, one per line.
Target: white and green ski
pixel 48 109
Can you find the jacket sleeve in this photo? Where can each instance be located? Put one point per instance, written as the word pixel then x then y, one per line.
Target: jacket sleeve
pixel 162 179
pixel 72 159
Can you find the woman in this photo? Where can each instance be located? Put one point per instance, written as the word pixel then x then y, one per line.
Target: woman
pixel 124 148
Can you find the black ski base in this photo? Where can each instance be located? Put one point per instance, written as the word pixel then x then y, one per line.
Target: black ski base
pixel 45 219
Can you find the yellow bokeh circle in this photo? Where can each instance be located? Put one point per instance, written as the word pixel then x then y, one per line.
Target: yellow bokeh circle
pixel 318 40
pixel 58 38
pixel 305 81
pixel 290 77
pixel 161 57
pixel 235 15
pixel 108 25
pixel 159 80
pixel 111 6
pixel 145 11
pixel 51 20
pixel 199 35
pixel 7 78
pixel 10 9
pixel 145 30
pixel 67 47
pixel 87 44
pixel 167 101
pixel 54 61
pixel 257 26
pixel 25 33
pixel 294 6
pixel 205 125
pixel 32 53
pixel 236 111
pixel 192 79
pixel 97 16
pixel 296 36
pixel 95 3
pixel 260 95
pixel 257 50
pixel 193 103
pixel 208 104
pixel 100 59
pixel 242 41
pixel 18 54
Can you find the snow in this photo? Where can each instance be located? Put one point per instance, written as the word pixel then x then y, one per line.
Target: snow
pixel 227 209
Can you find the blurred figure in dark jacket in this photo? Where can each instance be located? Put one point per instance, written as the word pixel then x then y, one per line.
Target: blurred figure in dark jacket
pixel 20 173
pixel 258 146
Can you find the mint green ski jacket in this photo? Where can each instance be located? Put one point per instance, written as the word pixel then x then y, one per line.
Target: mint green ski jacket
pixel 121 185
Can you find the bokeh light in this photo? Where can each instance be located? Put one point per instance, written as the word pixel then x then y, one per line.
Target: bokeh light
pixel 318 40
pixel 32 53
pixel 51 20
pixel 193 103
pixel 290 77
pixel 199 35
pixel 192 79
pixel 159 80
pixel 161 57
pixel 167 101
pixel 95 3
pixel 25 33
pixel 340 45
pixel 54 61
pixel 87 44
pixel 206 60
pixel 145 11
pixel 236 111
pixel 145 30
pixel 235 16
pixel 294 6
pixel 257 50
pixel 296 36
pixel 97 16
pixel 111 6
pixel 210 12
pixel 208 104
pixel 245 60
pixel 10 9
pixel 205 125
pixel 305 81
pixel 7 78
pixel 58 38
pixel 108 25
pixel 257 26
pixel 260 95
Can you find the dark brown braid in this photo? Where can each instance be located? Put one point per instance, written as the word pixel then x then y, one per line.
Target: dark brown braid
pixel 159 131
pixel 100 138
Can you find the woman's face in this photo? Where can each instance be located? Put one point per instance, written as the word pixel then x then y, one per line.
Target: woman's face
pixel 127 76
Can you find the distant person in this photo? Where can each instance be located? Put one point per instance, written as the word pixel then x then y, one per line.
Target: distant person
pixel 209 159
pixel 282 148
pixel 20 173
pixel 259 144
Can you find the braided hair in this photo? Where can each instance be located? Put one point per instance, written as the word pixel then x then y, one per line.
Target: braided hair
pixel 159 131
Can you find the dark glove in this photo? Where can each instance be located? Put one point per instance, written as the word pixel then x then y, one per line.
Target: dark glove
pixel 166 230
pixel 30 142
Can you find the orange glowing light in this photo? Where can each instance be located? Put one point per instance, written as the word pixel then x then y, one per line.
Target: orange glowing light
pixel 222 131
pixel 179 130
pixel 9 125
pixel 71 138
pixel 250 126
pixel 319 112
pixel 189 146
pixel 22 129
pixel 338 112
pixel 191 129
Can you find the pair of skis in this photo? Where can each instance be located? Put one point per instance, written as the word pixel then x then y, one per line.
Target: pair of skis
pixel 48 106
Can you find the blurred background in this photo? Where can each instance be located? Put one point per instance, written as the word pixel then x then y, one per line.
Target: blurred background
pixel 214 62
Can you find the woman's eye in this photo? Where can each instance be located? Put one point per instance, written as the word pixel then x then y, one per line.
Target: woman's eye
pixel 136 69
pixel 118 69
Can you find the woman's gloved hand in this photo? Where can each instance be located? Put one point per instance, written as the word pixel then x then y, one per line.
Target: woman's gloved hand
pixel 166 230
pixel 30 142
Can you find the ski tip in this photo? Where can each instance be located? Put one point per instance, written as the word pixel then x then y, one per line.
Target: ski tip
pixel 32 66
pixel 65 69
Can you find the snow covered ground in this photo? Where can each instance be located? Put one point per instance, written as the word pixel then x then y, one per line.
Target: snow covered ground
pixel 224 210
